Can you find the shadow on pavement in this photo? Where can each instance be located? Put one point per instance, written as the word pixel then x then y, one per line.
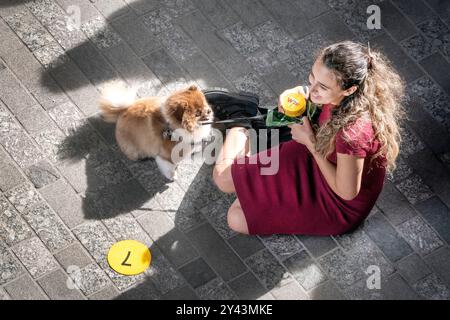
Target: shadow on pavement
pixel 12 3
pixel 117 186
pixel 111 189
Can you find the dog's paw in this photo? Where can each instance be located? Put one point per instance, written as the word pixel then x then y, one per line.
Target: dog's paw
pixel 167 168
pixel 172 176
pixel 197 148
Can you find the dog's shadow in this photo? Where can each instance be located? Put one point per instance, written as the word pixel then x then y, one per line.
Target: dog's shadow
pixel 109 187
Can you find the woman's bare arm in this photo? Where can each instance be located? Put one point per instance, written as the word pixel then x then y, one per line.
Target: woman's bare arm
pixel 345 177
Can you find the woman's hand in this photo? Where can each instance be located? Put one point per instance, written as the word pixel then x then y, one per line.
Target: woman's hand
pixel 304 90
pixel 303 133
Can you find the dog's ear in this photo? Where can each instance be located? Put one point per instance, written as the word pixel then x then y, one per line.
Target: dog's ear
pixel 176 109
pixel 189 120
pixel 193 88
pixel 182 105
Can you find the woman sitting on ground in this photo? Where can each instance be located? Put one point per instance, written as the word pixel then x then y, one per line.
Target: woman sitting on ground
pixel 328 179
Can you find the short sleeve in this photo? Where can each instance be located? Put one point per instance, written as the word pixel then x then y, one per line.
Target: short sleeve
pixel 356 139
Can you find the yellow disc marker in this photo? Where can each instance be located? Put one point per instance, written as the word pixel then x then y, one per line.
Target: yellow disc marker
pixel 129 257
pixel 294 104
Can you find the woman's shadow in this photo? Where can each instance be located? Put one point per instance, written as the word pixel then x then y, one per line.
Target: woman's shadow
pixel 116 186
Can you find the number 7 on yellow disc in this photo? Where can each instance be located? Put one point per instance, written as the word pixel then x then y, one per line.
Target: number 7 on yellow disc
pixel 129 257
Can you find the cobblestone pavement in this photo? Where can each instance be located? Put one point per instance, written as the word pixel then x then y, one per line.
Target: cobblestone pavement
pixel 67 193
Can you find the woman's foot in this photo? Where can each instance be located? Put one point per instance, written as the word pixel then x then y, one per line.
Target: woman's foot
pixel 229 105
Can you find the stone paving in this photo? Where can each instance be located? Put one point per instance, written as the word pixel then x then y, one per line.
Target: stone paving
pixel 67 193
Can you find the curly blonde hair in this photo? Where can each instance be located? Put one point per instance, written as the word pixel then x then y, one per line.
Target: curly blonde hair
pixel 380 96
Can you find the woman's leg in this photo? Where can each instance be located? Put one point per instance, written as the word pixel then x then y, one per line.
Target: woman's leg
pixel 236 218
pixel 236 144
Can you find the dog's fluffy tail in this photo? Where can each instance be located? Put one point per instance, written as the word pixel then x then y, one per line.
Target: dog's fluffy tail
pixel 115 98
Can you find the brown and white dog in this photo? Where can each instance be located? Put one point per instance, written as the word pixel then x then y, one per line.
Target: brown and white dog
pixel 142 125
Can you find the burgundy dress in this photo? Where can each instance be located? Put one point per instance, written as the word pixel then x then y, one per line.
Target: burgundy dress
pixel 297 199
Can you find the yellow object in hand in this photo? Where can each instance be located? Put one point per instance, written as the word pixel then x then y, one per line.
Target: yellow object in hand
pixel 293 104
